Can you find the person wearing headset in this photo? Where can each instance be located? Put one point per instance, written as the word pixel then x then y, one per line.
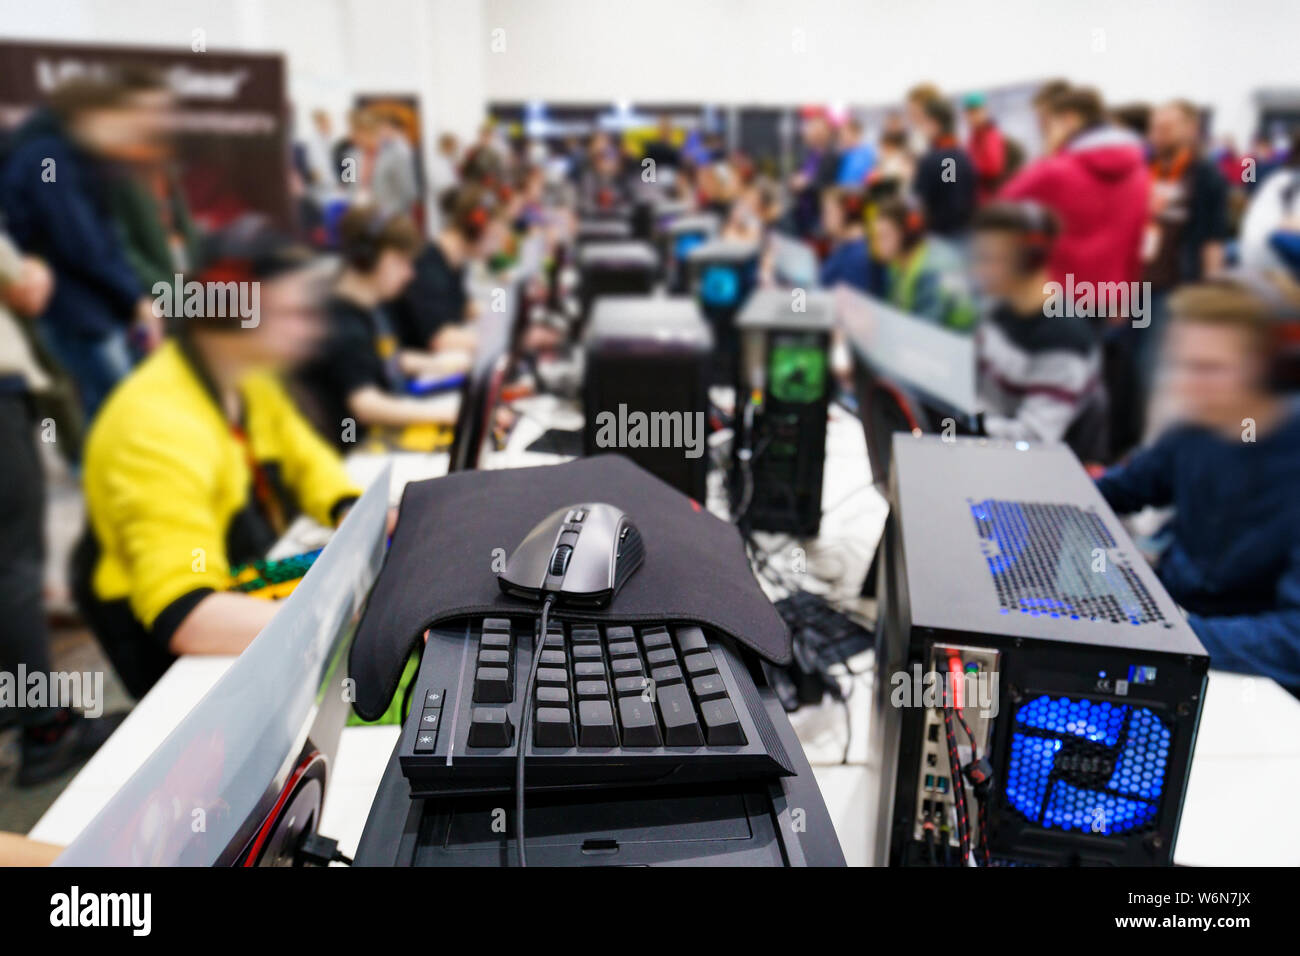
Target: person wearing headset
pixel 359 376
pixel 924 275
pixel 849 260
pixel 432 311
pixel 198 462
pixel 1039 368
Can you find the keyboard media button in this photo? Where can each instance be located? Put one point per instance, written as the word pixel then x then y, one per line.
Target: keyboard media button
pixel 430 719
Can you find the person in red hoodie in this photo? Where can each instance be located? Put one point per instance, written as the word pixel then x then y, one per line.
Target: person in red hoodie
pixel 986 147
pixel 1095 180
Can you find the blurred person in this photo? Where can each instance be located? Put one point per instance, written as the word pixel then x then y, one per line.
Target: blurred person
pixel 1188 225
pixel 818 169
pixel 394 184
pixel 198 463
pixel 1270 228
pixel 1230 471
pixel 1134 117
pixel 360 374
pixel 663 148
pixel 985 145
pixel 54 739
pixel 320 150
pixel 53 190
pixel 857 155
pixel 945 180
pixel 433 311
pixel 1039 372
pixel 358 153
pixel 1188 201
pixel 145 195
pixel 1265 158
pixel 444 171
pixel 1094 179
pixel 849 260
pixel 894 162
pixel 922 273
pixel 913 120
pixel 1042 97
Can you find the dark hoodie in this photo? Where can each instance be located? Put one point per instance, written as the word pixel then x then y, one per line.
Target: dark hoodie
pixel 67 222
pixel 1097 185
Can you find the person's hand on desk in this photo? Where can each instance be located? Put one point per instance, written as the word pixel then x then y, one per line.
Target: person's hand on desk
pixel 371 405
pixel 223 622
pixel 438 364
pixel 455 338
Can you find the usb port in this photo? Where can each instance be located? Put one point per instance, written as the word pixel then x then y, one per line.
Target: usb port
pixel 941 784
pixel 929 781
pixel 931 760
pixel 933 733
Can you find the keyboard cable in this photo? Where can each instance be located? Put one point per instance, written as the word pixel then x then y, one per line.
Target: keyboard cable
pixel 525 730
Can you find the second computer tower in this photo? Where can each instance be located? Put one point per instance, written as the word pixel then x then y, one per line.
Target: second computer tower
pixel 646 387
pixel 1011 598
pixel 782 393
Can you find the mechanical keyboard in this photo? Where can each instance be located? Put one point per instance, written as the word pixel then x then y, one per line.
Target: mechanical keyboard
pixel 272 579
pixel 616 704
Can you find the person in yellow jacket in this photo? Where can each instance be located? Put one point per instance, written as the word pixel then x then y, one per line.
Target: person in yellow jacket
pixel 197 462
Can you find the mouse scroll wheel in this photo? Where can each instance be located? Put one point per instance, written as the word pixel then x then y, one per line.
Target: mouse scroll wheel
pixel 560 559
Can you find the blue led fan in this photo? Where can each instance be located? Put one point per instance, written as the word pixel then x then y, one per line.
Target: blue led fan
pixel 720 286
pixel 1088 766
pixel 686 242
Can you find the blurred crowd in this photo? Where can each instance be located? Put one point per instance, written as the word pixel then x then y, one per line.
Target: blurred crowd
pixel 1130 286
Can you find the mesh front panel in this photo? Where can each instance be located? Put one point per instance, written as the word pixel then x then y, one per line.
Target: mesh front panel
pixel 1089 766
pixel 1059 560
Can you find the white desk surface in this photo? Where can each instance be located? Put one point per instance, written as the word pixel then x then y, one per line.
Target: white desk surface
pixel 1247 753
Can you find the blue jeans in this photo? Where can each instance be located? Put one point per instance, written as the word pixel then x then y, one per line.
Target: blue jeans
pixel 95 364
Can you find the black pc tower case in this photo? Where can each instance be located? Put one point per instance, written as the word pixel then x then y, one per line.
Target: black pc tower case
pixel 613 268
pixel 1017 618
pixel 723 274
pixel 647 366
pixel 782 393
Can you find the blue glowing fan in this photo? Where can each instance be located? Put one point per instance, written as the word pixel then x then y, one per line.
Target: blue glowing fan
pixel 1089 766
pixel 720 286
pixel 686 242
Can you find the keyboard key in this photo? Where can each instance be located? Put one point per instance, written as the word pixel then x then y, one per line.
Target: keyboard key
pixel 425 741
pixel 586 652
pixel 589 669
pixel 592 689
pixel 624 686
pixel 552 695
pixel 640 728
pixel 596 724
pixel 495 640
pixel 721 724
pixel 662 655
pixel 554 640
pixel 493 657
pixel 434 698
pixel 553 659
pixel 556 676
pixel 430 719
pixel 681 729
pixel 500 624
pixel 623 649
pixel 492 686
pixel 691 639
pixel 553 727
pixel 619 634
pixel 708 687
pixel 655 637
pixel 701 663
pixel 491 727
pixel 625 666
pixel 672 674
pixel 585 635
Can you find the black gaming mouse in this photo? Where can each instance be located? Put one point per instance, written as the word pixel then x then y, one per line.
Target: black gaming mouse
pixel 582 554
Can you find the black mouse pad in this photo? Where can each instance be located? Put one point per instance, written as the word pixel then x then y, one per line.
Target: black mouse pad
pixel 441 563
